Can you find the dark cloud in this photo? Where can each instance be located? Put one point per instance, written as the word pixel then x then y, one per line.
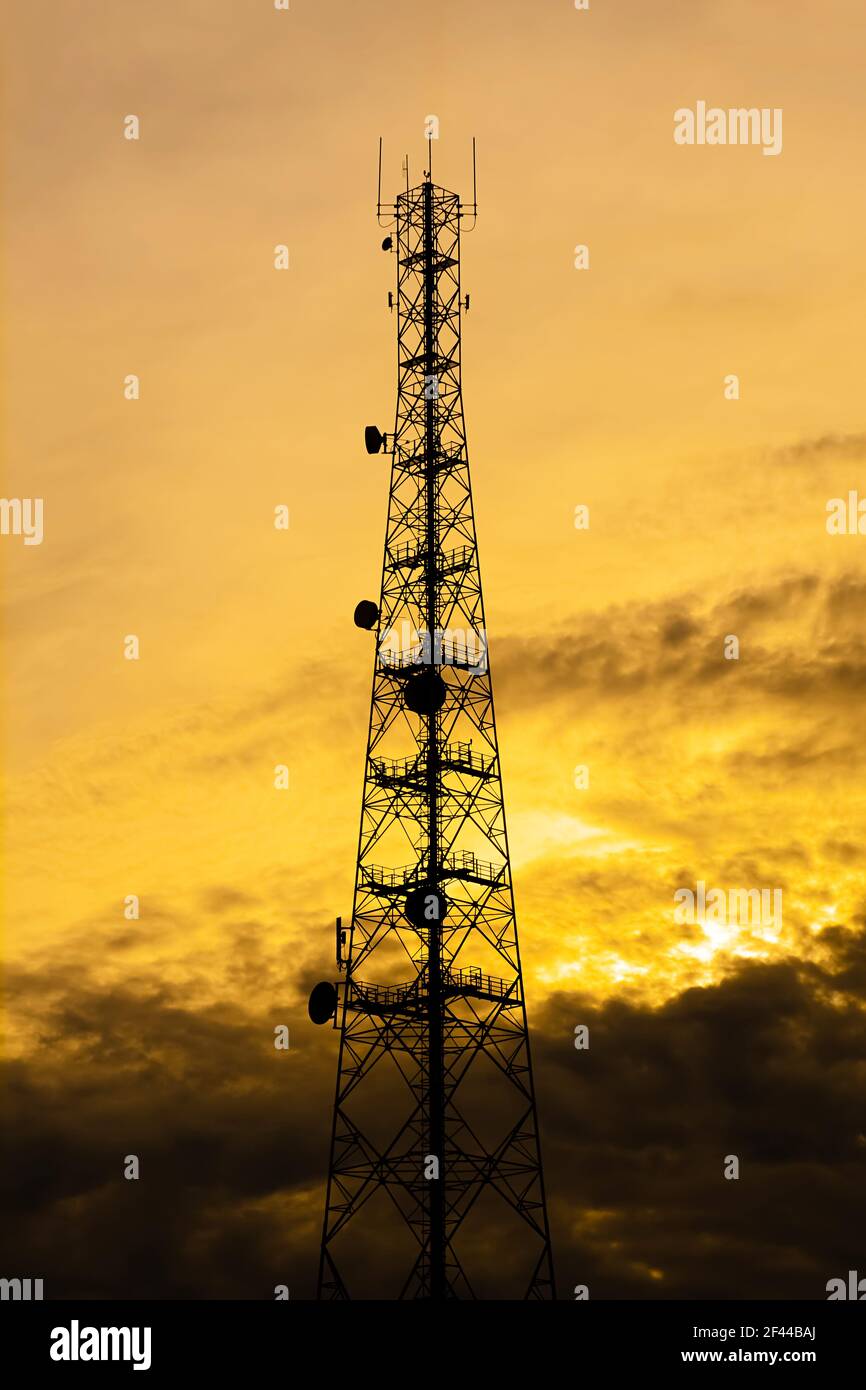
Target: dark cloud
pixel 232 1138
pixel 230 1133
pixel 224 898
pixel 677 630
pixel 826 448
pixel 768 1066
pixel 676 649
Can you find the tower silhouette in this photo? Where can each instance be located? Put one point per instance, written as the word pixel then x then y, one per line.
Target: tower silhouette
pixel 435 1186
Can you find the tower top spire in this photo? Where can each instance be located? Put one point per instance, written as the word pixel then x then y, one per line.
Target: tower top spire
pixel 389 210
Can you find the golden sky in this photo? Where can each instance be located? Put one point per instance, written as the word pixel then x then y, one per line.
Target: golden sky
pixel 602 387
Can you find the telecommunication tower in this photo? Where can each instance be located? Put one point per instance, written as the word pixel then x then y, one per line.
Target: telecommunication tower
pixel 435 1186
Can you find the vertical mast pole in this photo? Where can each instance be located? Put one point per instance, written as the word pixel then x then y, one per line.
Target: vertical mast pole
pixel 435 1021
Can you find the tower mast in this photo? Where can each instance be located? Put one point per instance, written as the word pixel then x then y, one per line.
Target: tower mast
pixel 435 1103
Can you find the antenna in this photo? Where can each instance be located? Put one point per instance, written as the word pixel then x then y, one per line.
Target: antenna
pixel 388 208
pixel 472 211
pixel 474 179
pixel 379 185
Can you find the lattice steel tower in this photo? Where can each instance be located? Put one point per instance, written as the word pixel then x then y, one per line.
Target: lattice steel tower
pixel 435 1186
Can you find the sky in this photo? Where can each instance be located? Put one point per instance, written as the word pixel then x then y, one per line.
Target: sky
pixel 602 387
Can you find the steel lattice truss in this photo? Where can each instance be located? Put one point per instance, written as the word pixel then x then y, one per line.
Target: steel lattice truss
pixel 437 1002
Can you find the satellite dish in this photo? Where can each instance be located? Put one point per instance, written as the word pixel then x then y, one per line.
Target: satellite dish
pixel 425 693
pixel 373 439
pixel 366 614
pixel 323 1002
pixel 387 244
pixel 426 906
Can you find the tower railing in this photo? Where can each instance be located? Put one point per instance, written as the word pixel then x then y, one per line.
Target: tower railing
pixel 466 982
pixel 463 864
pixel 437 653
pixel 457 757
